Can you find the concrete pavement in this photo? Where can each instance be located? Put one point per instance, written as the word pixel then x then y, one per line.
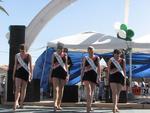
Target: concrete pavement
pixel 46 109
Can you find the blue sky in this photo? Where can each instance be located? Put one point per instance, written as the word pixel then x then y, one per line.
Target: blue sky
pixel 81 16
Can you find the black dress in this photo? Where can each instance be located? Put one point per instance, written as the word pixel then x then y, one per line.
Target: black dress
pixel 21 72
pixel 59 72
pixel 91 75
pixel 116 77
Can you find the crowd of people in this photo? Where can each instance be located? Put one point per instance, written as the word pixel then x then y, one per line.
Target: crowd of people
pixel 59 75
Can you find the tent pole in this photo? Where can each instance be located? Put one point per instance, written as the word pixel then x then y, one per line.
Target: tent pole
pixel 130 66
pixel 43 67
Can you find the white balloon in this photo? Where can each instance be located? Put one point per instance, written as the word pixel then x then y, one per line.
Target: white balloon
pixel 8 35
pixel 117 26
pixel 122 34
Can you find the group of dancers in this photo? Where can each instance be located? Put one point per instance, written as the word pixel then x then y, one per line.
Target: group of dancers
pixel 59 75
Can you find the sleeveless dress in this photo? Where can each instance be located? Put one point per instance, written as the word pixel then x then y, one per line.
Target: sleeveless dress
pixel 21 72
pixel 91 75
pixel 59 71
pixel 116 77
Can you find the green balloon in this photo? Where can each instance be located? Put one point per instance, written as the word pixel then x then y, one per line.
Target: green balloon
pixel 130 33
pixel 123 27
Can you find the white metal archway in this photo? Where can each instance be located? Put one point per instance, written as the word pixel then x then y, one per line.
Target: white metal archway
pixel 42 18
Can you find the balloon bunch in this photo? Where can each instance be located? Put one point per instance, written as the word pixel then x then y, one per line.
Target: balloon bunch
pixel 125 33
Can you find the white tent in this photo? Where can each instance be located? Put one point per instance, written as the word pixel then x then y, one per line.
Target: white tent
pixel 143 42
pixel 83 40
pixel 143 39
pixel 97 40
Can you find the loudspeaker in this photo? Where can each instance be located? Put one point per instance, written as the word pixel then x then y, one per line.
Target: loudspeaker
pixel 17 34
pixel 33 91
pixel 70 93
pixel 17 37
pixel 10 86
pixel 12 52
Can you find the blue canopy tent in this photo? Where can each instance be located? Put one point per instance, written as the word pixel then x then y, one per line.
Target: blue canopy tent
pixel 43 64
pixel 140 67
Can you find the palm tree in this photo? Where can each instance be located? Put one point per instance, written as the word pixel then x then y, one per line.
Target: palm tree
pixel 2 9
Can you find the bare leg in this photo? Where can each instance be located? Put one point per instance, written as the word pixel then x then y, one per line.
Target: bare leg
pixel 61 90
pixel 88 95
pixel 119 88
pixel 92 93
pixel 23 92
pixel 17 92
pixel 55 89
pixel 114 95
pixel 92 90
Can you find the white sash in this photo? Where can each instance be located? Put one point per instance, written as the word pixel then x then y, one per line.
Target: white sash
pixel 59 59
pixel 92 64
pixel 22 63
pixel 117 66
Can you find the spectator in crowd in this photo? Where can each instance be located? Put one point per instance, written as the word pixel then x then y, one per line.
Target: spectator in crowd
pixel 143 83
